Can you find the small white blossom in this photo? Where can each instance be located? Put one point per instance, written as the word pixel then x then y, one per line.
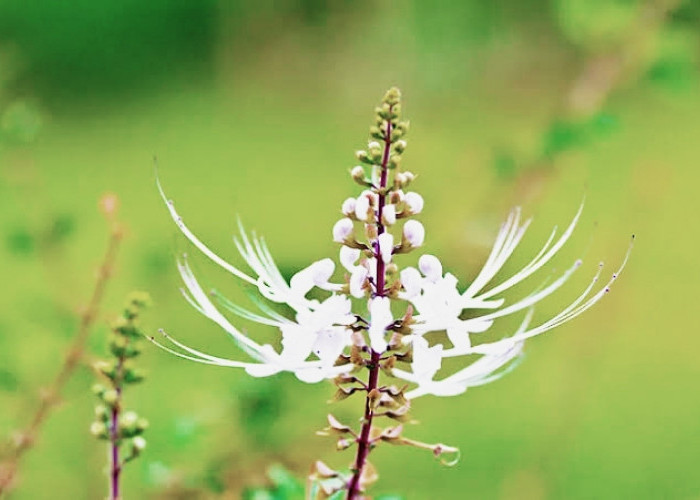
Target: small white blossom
pixel 389 215
pixel 386 246
pixel 362 206
pixel 348 207
pixel 342 230
pixel 414 202
pixel 414 233
pixel 380 320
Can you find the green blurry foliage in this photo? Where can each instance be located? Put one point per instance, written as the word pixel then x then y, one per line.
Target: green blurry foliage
pixel 261 402
pixel 79 47
pixel 20 123
pixel 284 487
pixel 20 241
pixel 564 135
pixel 596 25
pixel 676 61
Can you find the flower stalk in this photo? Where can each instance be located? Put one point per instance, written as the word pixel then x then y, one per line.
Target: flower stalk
pixel 112 423
pixel 52 396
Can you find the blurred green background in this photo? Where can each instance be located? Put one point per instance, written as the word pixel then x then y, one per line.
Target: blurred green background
pixel 255 109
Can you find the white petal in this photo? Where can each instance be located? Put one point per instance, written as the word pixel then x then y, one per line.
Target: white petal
pixel 380 319
pixel 357 281
pixel 414 201
pixel 389 215
pixel 362 207
pixel 342 230
pixel 348 257
pixel 431 267
pixel 426 360
pixel 386 246
pixel 414 232
pixel 317 274
pixel 348 207
pixel 196 242
pixel 411 281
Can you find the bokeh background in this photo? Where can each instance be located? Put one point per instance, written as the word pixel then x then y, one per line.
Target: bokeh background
pixel 254 109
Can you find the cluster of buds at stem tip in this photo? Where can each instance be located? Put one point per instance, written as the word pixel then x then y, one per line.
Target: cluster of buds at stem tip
pixel 112 423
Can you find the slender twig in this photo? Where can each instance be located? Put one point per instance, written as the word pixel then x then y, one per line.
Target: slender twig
pixel 363 442
pixel 51 396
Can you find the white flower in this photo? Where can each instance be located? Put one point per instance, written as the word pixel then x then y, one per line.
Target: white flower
pixel 414 202
pixel 414 233
pixel 442 319
pixel 342 230
pixel 386 246
pixel 380 319
pixel 389 215
pixel 440 307
pixel 362 205
pixel 348 207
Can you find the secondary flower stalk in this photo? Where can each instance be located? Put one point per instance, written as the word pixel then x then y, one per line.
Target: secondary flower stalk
pixel 378 317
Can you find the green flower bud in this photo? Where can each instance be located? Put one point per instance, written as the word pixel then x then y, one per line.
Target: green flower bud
pixel 139 299
pixel 363 157
pixel 107 368
pixel 138 444
pixel 99 430
pixel 400 146
pixel 110 397
pixel 392 96
pixel 102 412
pixel 128 420
pixel 376 133
pixel 118 345
pixel 133 376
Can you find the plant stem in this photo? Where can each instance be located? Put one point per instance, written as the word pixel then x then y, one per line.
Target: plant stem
pixel 8 469
pixel 363 442
pixel 115 465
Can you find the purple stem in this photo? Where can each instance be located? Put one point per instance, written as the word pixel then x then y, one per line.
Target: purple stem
pixel 363 441
pixel 115 465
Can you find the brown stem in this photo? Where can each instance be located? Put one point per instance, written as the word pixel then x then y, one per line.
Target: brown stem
pixel 8 468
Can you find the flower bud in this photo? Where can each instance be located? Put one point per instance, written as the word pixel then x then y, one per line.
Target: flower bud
pixel 358 175
pixel 400 146
pixel 342 230
pixel 110 397
pixel 138 444
pixel 414 202
pixel 394 160
pixel 363 157
pixel 389 215
pixel 358 279
pixel 376 133
pixel 101 412
pixel 431 267
pixel 371 232
pixel 348 207
pixel 386 246
pixel 99 430
pixel 414 233
pixel 129 419
pixel 362 207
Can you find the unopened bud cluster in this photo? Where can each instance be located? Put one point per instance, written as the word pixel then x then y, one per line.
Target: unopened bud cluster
pixel 369 230
pixel 112 423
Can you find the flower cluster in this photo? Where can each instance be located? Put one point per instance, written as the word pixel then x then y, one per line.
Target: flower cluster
pixel 379 317
pixel 377 225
